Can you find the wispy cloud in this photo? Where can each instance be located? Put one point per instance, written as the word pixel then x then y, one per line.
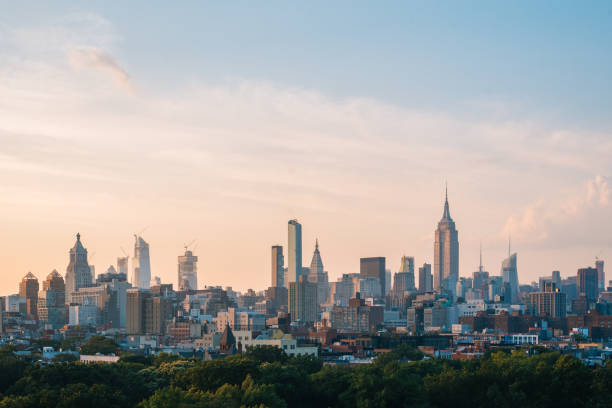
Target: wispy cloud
pixel 91 57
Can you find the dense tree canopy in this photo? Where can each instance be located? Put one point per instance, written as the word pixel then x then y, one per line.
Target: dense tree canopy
pixel 263 377
pixel 99 344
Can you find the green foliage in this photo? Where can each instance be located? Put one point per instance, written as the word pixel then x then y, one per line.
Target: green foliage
pixel 266 378
pixel 65 358
pixel 266 354
pixel 99 344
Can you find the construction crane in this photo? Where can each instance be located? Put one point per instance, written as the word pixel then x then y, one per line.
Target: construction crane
pixel 189 244
pixel 124 252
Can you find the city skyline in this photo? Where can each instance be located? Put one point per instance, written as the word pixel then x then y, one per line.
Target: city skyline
pixel 229 124
pixel 294 225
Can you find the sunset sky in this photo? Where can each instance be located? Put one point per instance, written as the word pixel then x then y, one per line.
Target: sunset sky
pixel 218 122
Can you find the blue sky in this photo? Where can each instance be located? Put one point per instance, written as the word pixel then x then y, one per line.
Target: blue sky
pixel 546 59
pixel 222 120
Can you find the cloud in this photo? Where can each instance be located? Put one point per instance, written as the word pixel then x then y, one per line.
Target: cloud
pixel 580 218
pixel 91 57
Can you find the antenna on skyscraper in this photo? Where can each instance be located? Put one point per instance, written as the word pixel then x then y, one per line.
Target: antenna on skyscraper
pixel 480 266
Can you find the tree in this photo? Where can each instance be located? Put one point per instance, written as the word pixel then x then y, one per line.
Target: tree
pixel 266 354
pixel 99 344
pixel 65 358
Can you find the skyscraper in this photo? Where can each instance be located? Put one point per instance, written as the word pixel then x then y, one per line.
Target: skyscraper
pixel 601 276
pixel 303 303
pixel 28 289
pixel 188 271
pixel 480 278
pixel 425 278
pixel 141 264
pixel 586 283
pixel 51 301
pixel 318 276
pixel 446 252
pixel 295 251
pixel 404 279
pixel 78 274
pixel 374 268
pixel 510 275
pixel 549 301
pixel 122 265
pixel 278 266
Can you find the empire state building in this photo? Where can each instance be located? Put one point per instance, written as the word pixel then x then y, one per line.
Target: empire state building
pixel 446 252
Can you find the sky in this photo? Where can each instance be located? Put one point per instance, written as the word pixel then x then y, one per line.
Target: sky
pixel 220 121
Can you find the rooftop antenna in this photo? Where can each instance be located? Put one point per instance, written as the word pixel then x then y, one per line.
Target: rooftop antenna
pixel 480 266
pixel 124 252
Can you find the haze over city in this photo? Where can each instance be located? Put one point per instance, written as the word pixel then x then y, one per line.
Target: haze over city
pixel 221 122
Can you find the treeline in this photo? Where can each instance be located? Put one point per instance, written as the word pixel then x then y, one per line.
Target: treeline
pixel 266 377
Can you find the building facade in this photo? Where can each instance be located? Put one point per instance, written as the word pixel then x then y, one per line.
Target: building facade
pixel 278 267
pixel 188 271
pixel 78 273
pixel 446 252
pixel 303 304
pixel 374 268
pixel 318 276
pixel 141 264
pixel 294 269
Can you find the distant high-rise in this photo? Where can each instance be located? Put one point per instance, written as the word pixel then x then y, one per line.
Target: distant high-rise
pixel 318 276
pixel 510 275
pixel 404 279
pixel 278 266
pixel 549 302
pixel 122 265
pixel 51 301
pixel 295 251
pixel 446 252
pixel 188 271
pixel 28 289
pixel 601 276
pixel 480 278
pixel 303 303
pixel 425 278
pixel 78 273
pixel 586 283
pixel 374 268
pixel 141 264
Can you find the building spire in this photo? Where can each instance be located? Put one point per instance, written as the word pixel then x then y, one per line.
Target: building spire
pixel 480 266
pixel 446 215
pixel 316 243
pixel 509 251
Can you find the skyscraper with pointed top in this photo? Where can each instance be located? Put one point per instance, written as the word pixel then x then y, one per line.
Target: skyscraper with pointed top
pixel 78 273
pixel 446 252
pixel 318 275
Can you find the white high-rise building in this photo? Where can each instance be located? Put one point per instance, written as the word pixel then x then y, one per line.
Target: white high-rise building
pixel 294 270
pixel 141 264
